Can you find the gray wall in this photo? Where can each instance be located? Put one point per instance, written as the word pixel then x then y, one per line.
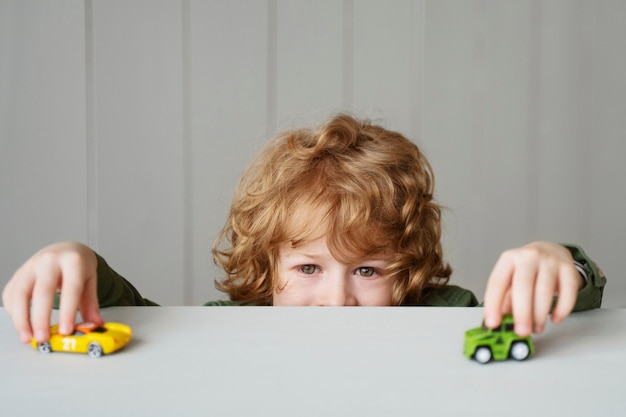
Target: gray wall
pixel 126 124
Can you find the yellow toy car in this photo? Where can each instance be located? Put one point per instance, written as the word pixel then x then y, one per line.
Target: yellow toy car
pixel 87 338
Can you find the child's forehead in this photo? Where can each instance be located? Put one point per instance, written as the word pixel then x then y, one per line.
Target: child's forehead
pixel 307 222
pixel 347 240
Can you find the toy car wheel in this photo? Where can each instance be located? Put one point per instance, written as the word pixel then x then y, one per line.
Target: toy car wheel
pixel 519 351
pixel 94 350
pixel 44 347
pixel 482 354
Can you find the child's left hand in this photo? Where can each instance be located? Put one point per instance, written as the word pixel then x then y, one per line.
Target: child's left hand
pixel 525 280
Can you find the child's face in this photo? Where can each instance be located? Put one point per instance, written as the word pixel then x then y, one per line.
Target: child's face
pixel 311 276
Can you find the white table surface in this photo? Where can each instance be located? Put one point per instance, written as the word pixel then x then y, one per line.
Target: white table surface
pixel 259 361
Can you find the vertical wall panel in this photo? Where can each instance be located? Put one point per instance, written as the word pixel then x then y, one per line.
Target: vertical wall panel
pixel 42 128
pixel 128 124
pixel 606 190
pixel 309 61
pixel 478 124
pixel 507 159
pixel 562 89
pixel 383 62
pixel 452 129
pixel 229 106
pixel 138 98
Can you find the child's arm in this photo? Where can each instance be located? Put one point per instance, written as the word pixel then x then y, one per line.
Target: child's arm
pixel 85 280
pixel 115 290
pixel 591 295
pixel 29 296
pixel 525 280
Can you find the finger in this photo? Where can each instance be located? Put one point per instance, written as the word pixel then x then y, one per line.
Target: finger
pixel 568 292
pixel 71 292
pixel 42 302
pixel 507 305
pixel 20 314
pixel 74 276
pixel 16 300
pixel 522 291
pixel 544 294
pixel 79 289
pixel 89 307
pixel 497 287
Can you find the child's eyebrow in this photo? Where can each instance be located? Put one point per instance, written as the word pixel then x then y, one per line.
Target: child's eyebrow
pixel 294 253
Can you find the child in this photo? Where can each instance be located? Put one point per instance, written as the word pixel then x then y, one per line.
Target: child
pixel 343 215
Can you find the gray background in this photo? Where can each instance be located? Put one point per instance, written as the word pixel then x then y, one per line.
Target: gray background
pixel 126 124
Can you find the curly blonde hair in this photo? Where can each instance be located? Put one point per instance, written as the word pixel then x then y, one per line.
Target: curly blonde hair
pixel 374 189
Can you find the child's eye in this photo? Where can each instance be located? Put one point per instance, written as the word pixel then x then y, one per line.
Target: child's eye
pixel 365 271
pixel 308 269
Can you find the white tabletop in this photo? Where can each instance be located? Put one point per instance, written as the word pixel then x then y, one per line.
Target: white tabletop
pixel 258 361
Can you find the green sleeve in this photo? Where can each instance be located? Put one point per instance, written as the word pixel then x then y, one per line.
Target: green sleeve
pixel 449 296
pixel 590 296
pixel 114 290
pixel 221 303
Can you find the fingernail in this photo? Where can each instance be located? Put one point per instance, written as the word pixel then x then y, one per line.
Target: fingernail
pixel 40 336
pixel 522 329
pixel 63 329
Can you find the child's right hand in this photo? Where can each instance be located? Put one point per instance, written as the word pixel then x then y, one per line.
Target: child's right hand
pixel 29 296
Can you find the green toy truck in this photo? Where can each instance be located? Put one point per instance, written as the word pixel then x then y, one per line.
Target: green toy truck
pixel 501 343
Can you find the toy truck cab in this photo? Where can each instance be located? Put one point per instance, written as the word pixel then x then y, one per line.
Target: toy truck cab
pixel 484 344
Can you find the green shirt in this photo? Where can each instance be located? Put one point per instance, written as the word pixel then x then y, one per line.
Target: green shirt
pixel 115 290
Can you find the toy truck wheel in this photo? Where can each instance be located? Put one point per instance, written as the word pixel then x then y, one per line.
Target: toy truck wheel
pixel 482 354
pixel 519 351
pixel 94 350
pixel 44 347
